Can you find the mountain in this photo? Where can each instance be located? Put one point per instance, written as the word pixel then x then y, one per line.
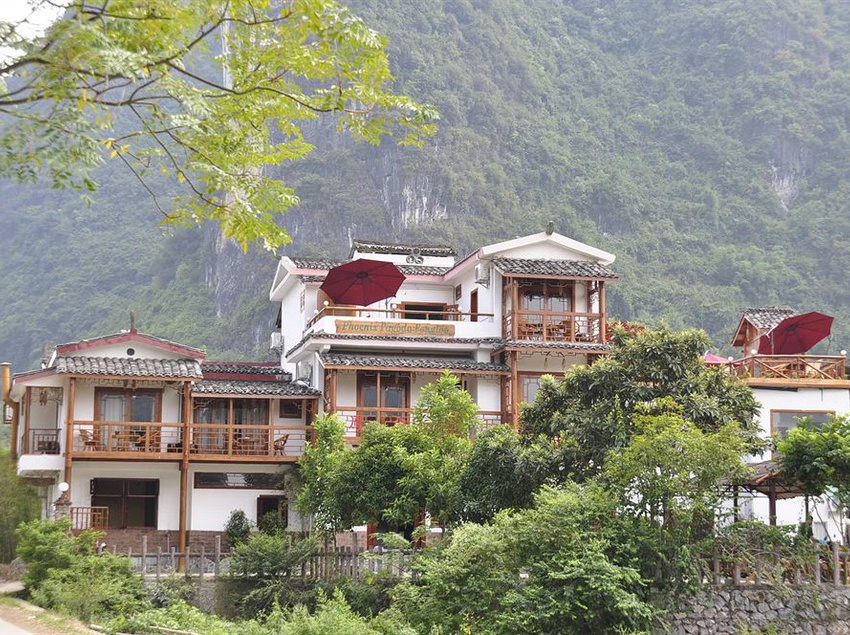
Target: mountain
pixel 704 143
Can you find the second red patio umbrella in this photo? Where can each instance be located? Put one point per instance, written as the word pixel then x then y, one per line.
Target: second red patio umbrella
pixel 796 334
pixel 362 282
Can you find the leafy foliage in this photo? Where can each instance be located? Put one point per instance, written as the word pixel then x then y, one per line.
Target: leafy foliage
pixel 19 502
pixel 396 473
pixel 552 568
pixel 93 586
pixel 591 411
pixel 237 529
pixel 818 458
pixel 122 79
pixel 504 471
pixel 45 545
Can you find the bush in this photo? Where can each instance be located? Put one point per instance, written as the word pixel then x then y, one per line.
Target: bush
pixel 238 528
pixel 93 586
pixel 49 544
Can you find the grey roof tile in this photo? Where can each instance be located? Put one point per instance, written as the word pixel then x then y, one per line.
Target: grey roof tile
pixel 546 267
pixel 316 263
pixel 373 247
pixel 493 341
pixel 404 361
pixel 129 367
pixel 767 317
pixel 247 387
pixel 408 270
pixel 579 347
pixel 242 368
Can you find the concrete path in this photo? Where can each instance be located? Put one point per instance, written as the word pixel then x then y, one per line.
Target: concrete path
pixel 10 629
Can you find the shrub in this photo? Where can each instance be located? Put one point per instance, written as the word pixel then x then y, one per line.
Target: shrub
pixel 238 528
pixel 93 586
pixel 49 544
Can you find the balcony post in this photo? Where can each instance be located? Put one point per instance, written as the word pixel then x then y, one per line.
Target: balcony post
pixel 27 420
pixel 603 335
pixel 69 431
pixel 184 474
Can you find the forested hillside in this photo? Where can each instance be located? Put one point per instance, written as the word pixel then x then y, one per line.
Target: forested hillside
pixel 705 143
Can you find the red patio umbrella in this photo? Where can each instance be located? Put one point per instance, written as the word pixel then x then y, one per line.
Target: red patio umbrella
pixel 796 334
pixel 362 282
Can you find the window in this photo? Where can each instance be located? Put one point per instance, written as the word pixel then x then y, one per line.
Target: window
pixel 131 502
pixel 216 413
pixel 235 480
pixel 783 421
pixel 291 408
pixel 383 396
pixel 423 311
pixel 554 297
pixel 530 386
pixel 120 404
pixel 276 507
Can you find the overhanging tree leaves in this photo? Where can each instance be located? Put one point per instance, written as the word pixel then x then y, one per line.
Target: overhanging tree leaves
pixel 132 80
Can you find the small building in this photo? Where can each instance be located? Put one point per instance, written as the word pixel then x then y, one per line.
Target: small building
pixel 788 387
pixel 141 436
pixel 499 318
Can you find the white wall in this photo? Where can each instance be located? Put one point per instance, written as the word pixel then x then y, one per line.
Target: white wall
pixel 167 473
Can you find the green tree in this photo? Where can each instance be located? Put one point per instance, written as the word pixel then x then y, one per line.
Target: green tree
pixel 49 545
pixel 591 411
pixel 19 502
pixel 396 473
pixel 554 568
pixel 503 472
pixel 209 92
pixel 818 458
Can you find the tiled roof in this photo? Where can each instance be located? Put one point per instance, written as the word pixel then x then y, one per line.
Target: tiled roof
pixel 243 387
pixel 493 341
pixel 318 263
pixel 312 278
pixel 403 361
pixel 129 367
pixel 578 347
pixel 545 267
pixel 372 247
pixel 423 270
pixel 241 368
pixel 767 317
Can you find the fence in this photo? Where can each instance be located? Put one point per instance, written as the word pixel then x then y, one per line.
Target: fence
pixel 326 564
pixel 824 565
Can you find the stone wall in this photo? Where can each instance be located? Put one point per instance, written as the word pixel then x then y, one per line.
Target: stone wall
pixel 805 609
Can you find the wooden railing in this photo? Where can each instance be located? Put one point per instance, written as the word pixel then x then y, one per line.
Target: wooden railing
pixel 451 314
pixel 356 417
pixel 789 367
pixel 42 442
pixel 244 440
pixel 545 326
pixel 89 518
pixel 826 564
pixel 140 440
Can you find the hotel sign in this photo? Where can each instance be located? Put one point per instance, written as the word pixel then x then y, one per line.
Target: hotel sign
pixel 422 329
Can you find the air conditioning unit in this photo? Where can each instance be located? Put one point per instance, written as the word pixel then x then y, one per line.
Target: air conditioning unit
pixel 482 274
pixel 277 342
pixel 304 372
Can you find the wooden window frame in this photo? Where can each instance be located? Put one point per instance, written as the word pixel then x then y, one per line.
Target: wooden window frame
pixel 799 414
pixel 99 391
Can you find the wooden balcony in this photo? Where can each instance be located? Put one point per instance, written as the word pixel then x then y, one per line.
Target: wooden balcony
pixel 545 326
pixel 207 442
pixel 41 441
pixel 449 314
pixel 356 417
pixel 83 518
pixel 789 369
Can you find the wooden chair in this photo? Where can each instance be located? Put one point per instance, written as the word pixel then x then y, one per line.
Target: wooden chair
pixel 149 442
pixel 279 445
pixel 90 442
